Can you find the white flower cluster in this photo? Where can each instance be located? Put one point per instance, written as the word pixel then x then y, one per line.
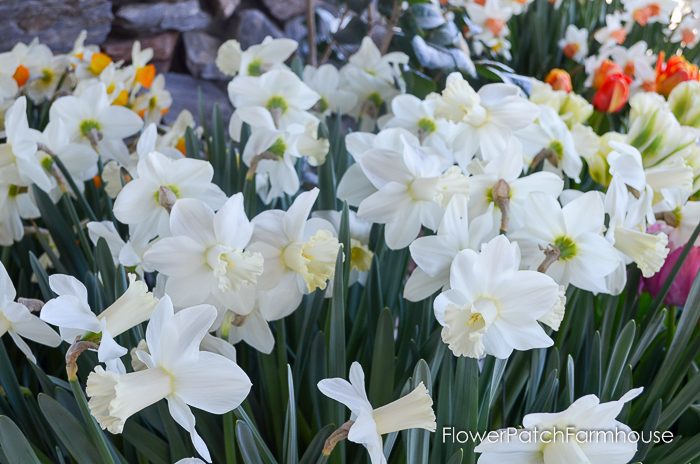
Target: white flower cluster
pixel 472 182
pixel 283 111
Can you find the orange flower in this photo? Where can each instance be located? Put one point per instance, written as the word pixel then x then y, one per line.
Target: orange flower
pixel 570 50
pixel 643 15
pixel 619 36
pixel 122 98
pixel 559 80
pixel 181 146
pixel 606 68
pixel 613 94
pixel 145 75
pixel 688 35
pixel 21 75
pixel 495 26
pixel 98 62
pixel 672 72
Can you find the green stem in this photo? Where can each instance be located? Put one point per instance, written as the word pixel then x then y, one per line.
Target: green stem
pixel 230 438
pixel 93 429
pixel 78 194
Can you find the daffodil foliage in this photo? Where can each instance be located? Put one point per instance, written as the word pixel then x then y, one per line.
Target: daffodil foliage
pixel 382 255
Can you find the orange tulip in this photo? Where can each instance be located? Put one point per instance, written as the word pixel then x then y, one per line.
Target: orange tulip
pixel 606 68
pixel 672 72
pixel 613 94
pixel 559 80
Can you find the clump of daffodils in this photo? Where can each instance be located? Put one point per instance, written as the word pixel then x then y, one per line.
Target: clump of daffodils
pixel 491 201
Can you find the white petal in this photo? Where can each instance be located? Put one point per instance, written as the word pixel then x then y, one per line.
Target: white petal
pixel 212 383
pixel 183 416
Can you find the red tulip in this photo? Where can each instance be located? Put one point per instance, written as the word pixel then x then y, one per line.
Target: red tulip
pixel 612 96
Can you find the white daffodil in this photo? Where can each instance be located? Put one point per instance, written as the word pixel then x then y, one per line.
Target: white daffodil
pixel 417 116
pixel 650 11
pixel 615 30
pixel 174 137
pixel 500 185
pixel 549 140
pixel 89 117
pixel 19 322
pixel 492 307
pixel 372 77
pixel 272 153
pixel 325 80
pixel 19 163
pixel 585 415
pixel 567 243
pixel 205 258
pixel 16 203
pixel 129 254
pixel 687 31
pixel 628 196
pixel 256 59
pixel 355 186
pixel 46 73
pixel 360 254
pixel 411 191
pixel 489 117
pixel 79 159
pixel 491 18
pixel 155 103
pixel 300 255
pixel 681 215
pixel 72 314
pixel 413 411
pixel 433 254
pixel 146 202
pixel 574 45
pixel 175 370
pixel 278 92
pixel 243 321
pixel 628 201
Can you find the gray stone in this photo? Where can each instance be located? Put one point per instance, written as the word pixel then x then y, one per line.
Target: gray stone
pixel 56 23
pixel 200 55
pixel 149 18
pixel 295 28
pixel 285 9
pixel 185 90
pixel 222 8
pixel 252 26
pixel 163 46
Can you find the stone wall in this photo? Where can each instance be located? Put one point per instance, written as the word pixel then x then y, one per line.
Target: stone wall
pixel 185 34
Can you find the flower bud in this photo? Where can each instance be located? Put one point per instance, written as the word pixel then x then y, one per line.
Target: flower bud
pixel 613 94
pixel 684 101
pixel 559 80
pixel 672 72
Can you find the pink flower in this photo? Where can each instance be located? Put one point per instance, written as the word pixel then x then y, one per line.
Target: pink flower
pixel 680 287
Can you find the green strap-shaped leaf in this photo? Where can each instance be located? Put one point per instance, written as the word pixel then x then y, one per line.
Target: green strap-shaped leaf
pixel 68 430
pixel 15 447
pixel 246 443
